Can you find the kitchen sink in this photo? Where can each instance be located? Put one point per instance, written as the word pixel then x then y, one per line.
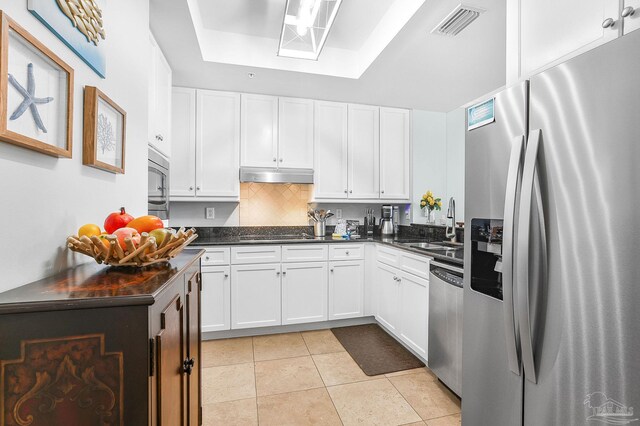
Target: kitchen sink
pixel 434 246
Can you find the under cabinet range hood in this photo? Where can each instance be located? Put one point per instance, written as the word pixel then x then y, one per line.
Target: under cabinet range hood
pixel 266 175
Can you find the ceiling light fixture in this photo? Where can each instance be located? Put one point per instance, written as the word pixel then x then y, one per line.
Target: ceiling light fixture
pixel 305 27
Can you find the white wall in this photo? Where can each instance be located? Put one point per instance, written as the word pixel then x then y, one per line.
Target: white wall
pixel 44 199
pixel 455 160
pixel 429 159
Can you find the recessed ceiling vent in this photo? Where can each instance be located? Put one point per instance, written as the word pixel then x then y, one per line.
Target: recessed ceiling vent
pixel 457 20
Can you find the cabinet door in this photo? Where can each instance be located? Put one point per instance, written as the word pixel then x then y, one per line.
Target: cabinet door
pixel 395 145
pixel 414 312
pixel 304 292
pixel 632 22
pixel 255 296
pixel 152 136
pixel 295 133
pixel 217 145
pixel 551 30
pixel 183 141
pixel 346 289
pixel 364 152
pixel 259 134
pixel 163 104
pixel 171 390
pixel 193 367
pixel 216 298
pixel 330 150
pixel 388 293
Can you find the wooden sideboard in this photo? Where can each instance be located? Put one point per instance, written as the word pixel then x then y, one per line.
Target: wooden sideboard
pixel 103 346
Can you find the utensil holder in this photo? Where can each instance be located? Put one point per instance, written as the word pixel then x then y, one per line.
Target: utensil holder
pixel 319 229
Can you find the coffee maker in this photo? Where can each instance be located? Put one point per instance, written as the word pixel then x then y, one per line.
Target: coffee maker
pixel 386 221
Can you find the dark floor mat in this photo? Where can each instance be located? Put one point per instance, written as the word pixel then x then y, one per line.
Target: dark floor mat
pixel 375 351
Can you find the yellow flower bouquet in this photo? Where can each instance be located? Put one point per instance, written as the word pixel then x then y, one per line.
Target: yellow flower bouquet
pixel 430 202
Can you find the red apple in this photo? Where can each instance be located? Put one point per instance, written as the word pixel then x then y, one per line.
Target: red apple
pixel 123 233
pixel 117 220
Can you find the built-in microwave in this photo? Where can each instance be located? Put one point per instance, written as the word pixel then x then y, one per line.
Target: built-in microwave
pixel 158 185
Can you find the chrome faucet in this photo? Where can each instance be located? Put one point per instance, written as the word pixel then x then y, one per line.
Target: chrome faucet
pixel 451 214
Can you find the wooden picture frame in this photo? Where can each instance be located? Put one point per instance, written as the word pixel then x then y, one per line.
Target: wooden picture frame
pixel 30 117
pixel 105 125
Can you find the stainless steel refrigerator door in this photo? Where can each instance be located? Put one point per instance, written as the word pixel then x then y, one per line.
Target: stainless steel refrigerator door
pixel 492 393
pixel 586 345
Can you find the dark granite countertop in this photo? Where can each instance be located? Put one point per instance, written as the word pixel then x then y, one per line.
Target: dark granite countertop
pixel 91 285
pixel 453 256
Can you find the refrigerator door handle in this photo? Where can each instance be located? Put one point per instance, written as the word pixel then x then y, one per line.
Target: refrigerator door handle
pixel 530 188
pixel 514 176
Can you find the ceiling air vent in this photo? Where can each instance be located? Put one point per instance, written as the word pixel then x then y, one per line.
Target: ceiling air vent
pixel 457 20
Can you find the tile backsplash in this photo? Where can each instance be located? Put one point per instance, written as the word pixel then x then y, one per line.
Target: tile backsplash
pixel 268 204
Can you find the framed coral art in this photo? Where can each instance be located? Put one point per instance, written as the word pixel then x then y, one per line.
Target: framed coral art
pixel 36 93
pixel 104 132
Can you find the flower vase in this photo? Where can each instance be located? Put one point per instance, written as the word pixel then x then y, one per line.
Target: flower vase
pixel 428 213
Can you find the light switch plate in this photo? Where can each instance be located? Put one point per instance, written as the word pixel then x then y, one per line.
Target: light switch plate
pixel 338 213
pixel 210 213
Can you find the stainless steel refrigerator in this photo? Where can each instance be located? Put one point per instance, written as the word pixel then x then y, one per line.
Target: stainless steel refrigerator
pixel 552 248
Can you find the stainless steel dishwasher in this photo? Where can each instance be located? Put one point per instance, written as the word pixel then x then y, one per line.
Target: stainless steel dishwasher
pixel 445 324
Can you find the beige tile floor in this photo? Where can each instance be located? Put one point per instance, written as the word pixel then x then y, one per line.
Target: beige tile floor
pixel 309 379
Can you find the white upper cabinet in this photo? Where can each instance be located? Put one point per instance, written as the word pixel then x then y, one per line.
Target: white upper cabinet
pixel 159 95
pixel 631 15
pixel 259 134
pixel 206 145
pixel 183 140
pixel 395 146
pixel 364 151
pixel 218 144
pixel 295 133
pixel 541 33
pixel 330 150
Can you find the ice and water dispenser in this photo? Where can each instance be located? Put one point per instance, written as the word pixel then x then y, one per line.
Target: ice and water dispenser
pixel 486 257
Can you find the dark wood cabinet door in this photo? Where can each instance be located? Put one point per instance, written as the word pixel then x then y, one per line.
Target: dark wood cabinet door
pixel 171 354
pixel 193 348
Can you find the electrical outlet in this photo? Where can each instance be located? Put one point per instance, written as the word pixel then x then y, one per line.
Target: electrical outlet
pixel 210 213
pixel 338 213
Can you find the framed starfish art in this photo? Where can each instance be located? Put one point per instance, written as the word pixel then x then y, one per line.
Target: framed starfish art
pixel 36 93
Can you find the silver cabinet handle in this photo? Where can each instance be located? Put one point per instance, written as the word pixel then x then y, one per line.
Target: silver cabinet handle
pixel 197 188
pixel 513 176
pixel 206 258
pixel 347 252
pixel 382 191
pixel 226 275
pixel 278 273
pixel 191 188
pixel 281 160
pixel 284 272
pixel 331 269
pixel 345 191
pixel 608 23
pixel 530 186
pixel 351 191
pixel 627 11
pixel 395 278
pixel 275 159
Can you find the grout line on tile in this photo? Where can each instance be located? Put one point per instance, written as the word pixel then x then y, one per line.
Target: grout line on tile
pixel 400 393
pixel 255 380
pixel 323 382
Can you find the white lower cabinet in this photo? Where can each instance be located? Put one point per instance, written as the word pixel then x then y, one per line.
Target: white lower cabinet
pixel 216 298
pixel 402 305
pixel 414 312
pixel 304 292
pixel 255 295
pixel 388 294
pixel 346 289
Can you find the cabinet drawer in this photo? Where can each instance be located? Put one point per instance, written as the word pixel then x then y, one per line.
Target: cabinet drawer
pixel 388 255
pixel 216 256
pixel 346 251
pixel 305 253
pixel 415 264
pixel 255 254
